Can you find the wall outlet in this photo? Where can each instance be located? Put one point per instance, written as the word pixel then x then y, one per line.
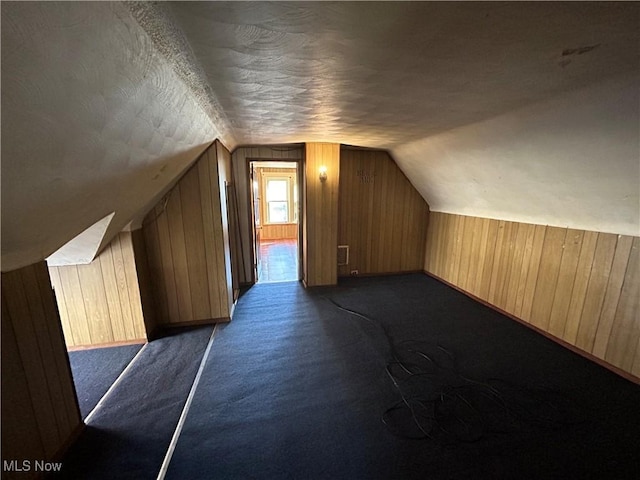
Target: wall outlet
pixel 354 273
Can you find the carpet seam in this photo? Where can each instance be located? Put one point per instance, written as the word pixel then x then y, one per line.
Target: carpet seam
pixel 185 410
pixel 114 385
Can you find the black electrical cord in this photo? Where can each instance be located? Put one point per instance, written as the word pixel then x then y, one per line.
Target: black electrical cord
pixel 439 403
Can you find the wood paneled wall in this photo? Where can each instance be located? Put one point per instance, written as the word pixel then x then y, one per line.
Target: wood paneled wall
pixel 40 414
pixel 187 243
pixel 240 158
pixel 100 303
pixel 582 287
pixel 279 231
pixel 145 284
pixel 320 217
pixel 227 218
pixel 382 217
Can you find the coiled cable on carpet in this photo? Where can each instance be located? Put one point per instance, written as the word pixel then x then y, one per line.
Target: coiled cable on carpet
pixel 439 403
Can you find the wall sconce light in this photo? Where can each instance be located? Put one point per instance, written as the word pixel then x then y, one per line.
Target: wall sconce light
pixel 323 173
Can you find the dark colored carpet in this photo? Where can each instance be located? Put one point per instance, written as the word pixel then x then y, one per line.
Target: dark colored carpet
pixel 95 370
pixel 128 437
pixel 428 384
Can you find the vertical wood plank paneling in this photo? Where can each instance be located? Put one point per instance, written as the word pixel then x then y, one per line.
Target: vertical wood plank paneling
pixel 14 295
pixel 112 293
pixel 487 250
pixel 388 194
pixel 20 431
pixel 166 260
pixel 208 230
pixel 188 239
pixel 321 215
pixel 547 277
pixel 498 259
pixel 596 289
pixel 70 334
pixel 101 301
pixel 217 185
pixel 179 253
pixel 474 254
pixel 511 233
pixel 462 265
pixel 566 279
pixel 279 231
pixel 149 307
pixel 524 267
pixel 583 287
pixel 95 303
pixel 624 340
pixel 41 319
pixel 35 353
pixel 410 254
pixel 539 234
pixel 583 271
pixel 39 407
pixel 126 308
pixel 431 241
pixel 75 303
pixel 133 285
pixel 513 281
pixel 225 179
pixel 381 216
pixel 156 272
pixel 190 192
pixel 56 342
pixel 612 295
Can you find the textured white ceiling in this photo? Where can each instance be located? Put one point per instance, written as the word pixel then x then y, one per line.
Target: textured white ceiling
pixel 518 111
pixel 386 73
pixel 94 121
pixel 104 104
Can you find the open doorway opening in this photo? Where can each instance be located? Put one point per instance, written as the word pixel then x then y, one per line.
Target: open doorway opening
pixel 276 216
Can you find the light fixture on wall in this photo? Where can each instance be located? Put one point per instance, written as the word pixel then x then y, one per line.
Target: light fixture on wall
pixel 323 173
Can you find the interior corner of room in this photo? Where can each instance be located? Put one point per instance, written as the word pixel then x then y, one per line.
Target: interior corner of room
pixel 202 182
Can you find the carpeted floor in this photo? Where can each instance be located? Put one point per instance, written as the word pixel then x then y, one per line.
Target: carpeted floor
pixel 95 370
pixel 128 436
pixel 422 383
pixel 378 378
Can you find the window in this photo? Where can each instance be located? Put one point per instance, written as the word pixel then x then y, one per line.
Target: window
pixel 279 197
pixel 277 200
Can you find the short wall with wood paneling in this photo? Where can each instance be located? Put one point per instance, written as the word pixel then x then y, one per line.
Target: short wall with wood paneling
pixel 187 243
pixel 279 231
pixel 228 219
pixel 100 302
pixel 382 217
pixel 320 217
pixel 145 285
pixel 240 162
pixel 579 286
pixel 40 414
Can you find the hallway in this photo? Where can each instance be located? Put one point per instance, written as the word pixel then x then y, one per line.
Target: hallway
pixel 278 261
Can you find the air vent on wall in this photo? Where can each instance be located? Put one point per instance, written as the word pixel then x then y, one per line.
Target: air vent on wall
pixel 343 255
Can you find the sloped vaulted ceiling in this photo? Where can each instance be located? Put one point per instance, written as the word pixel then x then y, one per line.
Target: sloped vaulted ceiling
pixel 510 110
pixel 94 120
pixel 520 111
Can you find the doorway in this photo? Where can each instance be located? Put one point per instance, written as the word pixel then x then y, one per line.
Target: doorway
pixel 276 220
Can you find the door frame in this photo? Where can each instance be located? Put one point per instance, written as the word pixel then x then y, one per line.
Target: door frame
pixel 300 180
